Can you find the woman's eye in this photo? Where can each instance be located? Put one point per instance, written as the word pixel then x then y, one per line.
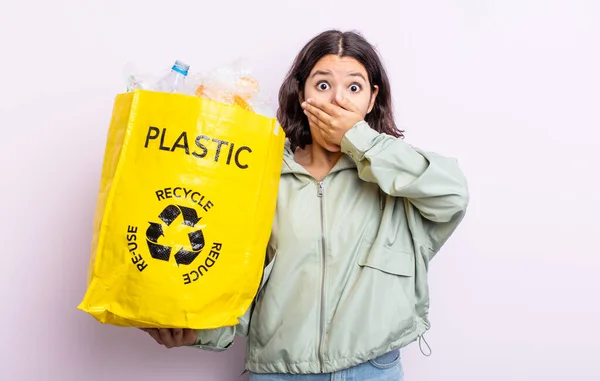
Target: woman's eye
pixel 323 86
pixel 354 88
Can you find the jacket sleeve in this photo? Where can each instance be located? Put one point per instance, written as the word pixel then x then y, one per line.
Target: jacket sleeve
pixel 220 339
pixel 432 183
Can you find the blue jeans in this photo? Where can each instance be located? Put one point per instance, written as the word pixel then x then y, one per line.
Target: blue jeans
pixel 387 367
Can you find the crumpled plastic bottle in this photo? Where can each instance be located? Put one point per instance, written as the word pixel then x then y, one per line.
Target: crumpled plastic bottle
pixel 174 82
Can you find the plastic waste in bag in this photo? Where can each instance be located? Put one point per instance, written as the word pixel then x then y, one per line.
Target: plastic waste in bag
pixel 174 82
pixel 232 84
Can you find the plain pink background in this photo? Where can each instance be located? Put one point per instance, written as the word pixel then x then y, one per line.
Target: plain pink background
pixel 510 88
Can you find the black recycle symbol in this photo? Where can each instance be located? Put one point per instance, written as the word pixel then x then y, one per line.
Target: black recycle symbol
pixel 155 231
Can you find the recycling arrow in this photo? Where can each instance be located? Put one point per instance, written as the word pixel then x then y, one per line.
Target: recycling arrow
pixel 155 231
pixel 190 217
pixel 197 240
pixel 184 257
pixel 171 212
pixel 157 251
pixel 160 252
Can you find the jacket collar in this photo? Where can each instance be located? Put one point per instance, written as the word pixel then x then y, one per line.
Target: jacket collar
pixel 291 167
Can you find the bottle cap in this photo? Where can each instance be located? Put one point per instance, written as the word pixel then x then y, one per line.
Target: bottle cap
pixel 181 67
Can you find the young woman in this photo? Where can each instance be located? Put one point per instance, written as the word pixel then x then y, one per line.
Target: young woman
pixel 360 214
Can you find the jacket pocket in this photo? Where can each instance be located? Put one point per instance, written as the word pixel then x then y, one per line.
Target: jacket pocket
pixel 390 273
pixel 389 261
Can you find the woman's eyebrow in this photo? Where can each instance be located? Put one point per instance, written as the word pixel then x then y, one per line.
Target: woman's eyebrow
pixel 351 74
pixel 321 72
pixel 357 74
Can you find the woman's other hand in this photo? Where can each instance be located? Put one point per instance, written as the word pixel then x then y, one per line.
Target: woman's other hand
pixel 172 337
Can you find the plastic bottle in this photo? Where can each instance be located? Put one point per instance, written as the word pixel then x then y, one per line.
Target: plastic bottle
pixel 174 82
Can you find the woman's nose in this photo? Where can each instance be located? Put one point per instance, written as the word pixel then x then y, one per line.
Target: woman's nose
pixel 334 94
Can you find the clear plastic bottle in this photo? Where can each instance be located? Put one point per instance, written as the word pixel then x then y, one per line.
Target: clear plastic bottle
pixel 174 82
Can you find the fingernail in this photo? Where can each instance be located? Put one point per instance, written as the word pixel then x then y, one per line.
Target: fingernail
pixel 309 100
pixel 303 104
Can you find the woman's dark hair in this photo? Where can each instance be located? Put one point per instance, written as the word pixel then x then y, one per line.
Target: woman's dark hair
pixel 344 44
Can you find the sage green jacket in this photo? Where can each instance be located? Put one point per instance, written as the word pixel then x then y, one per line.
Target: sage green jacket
pixel 348 257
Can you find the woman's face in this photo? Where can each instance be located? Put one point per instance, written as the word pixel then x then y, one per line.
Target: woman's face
pixel 333 75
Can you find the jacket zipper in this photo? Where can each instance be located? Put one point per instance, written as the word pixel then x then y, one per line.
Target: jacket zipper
pixel 320 191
